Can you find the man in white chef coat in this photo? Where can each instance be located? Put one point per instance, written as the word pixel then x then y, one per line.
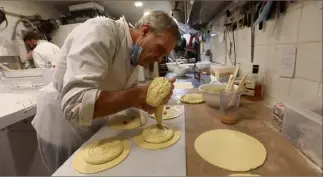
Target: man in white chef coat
pixel 43 52
pixel 95 78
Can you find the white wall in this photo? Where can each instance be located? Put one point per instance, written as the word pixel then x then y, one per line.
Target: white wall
pixel 301 27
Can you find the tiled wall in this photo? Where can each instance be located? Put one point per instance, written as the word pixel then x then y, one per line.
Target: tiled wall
pixel 301 27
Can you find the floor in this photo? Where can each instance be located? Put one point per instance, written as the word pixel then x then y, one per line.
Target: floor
pixel 19 155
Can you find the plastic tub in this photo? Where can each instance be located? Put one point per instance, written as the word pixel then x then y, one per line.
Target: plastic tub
pixel 303 128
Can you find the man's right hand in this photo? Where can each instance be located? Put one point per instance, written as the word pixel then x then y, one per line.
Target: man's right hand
pixel 142 100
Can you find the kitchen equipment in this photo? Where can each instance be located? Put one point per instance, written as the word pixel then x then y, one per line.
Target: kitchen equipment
pixel 229 112
pixel 254 86
pixel 181 70
pixel 221 72
pixel 191 60
pixel 203 65
pixel 229 81
pixel 238 90
pixel 190 65
pixel 278 115
pixel 3 18
pixel 252 30
pixel 171 66
pixel 230 84
pixel 211 93
pixel 22 81
pixel 303 128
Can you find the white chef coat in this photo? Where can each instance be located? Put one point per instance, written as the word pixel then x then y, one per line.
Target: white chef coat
pixel 95 56
pixel 45 54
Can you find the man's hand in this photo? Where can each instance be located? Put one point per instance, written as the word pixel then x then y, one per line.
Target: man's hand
pixel 142 99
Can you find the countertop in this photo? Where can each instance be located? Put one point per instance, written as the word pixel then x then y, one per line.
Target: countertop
pixel 140 162
pixel 255 120
pixel 16 107
pixel 283 159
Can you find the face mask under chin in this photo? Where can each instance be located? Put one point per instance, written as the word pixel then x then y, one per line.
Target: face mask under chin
pixel 137 50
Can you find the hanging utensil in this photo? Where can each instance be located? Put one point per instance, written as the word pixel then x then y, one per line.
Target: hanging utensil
pixel 252 28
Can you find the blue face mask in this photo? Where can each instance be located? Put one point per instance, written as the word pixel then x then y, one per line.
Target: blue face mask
pixel 136 51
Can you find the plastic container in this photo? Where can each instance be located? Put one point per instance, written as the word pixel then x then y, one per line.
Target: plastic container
pixel 303 127
pixel 229 106
pixel 222 72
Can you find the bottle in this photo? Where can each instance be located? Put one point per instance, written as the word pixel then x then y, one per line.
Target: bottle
pixel 254 86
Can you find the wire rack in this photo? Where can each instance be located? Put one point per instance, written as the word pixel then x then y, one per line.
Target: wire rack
pixel 21 85
pixel 21 82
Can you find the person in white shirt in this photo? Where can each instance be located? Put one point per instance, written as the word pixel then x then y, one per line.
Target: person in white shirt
pixel 95 78
pixel 43 52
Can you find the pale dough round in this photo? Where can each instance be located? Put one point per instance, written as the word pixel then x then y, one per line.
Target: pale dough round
pixel 156 134
pixel 244 174
pixel 102 151
pixel 81 165
pixel 171 112
pixel 127 122
pixel 140 141
pixel 231 150
pixel 192 98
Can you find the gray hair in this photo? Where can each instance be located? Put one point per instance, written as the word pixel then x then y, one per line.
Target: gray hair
pixel 159 21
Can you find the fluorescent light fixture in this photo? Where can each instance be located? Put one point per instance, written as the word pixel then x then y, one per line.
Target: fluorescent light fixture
pixel 138 4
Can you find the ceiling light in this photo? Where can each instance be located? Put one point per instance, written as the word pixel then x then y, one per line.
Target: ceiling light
pixel 138 4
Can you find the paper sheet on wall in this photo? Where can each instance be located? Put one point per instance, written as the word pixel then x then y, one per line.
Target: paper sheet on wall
pixel 286 57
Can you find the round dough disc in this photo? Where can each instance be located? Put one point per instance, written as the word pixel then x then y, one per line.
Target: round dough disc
pixel 171 112
pixel 192 98
pixel 245 174
pixel 126 122
pixel 81 166
pixel 231 150
pixel 140 141
pixel 102 151
pixel 156 135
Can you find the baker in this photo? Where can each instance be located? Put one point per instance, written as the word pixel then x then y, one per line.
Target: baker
pixel 43 53
pixel 95 77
